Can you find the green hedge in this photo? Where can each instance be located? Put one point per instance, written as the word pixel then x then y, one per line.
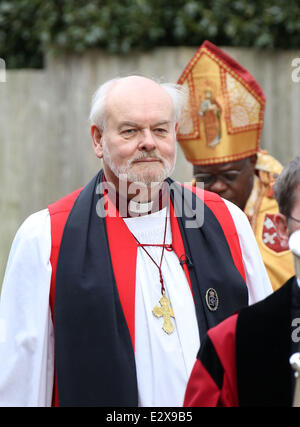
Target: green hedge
pixel 29 27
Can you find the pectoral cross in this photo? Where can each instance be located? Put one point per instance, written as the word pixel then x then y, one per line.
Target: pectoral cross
pixel 166 312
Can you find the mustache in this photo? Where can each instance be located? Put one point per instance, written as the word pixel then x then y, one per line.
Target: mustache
pixel 146 155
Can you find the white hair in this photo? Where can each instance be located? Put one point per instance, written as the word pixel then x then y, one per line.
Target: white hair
pixel 179 97
pixel 97 112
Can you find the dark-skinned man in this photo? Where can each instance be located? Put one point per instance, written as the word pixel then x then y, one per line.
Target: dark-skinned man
pixel 220 135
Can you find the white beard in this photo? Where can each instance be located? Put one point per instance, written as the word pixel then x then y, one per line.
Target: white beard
pixel 146 176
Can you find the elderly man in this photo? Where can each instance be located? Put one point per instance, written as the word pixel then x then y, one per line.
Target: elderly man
pixel 220 136
pixel 244 361
pixel 133 274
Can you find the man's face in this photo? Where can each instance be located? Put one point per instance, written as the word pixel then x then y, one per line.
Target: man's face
pixel 287 226
pixel 294 220
pixel 233 180
pixel 138 139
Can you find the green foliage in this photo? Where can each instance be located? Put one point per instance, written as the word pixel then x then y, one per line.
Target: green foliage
pixel 29 27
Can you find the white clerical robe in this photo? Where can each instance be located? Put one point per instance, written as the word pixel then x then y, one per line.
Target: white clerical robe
pixel 163 362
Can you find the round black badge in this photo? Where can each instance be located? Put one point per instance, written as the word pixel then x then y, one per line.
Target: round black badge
pixel 212 299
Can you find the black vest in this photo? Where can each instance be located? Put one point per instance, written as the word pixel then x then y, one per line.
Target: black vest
pixel 264 345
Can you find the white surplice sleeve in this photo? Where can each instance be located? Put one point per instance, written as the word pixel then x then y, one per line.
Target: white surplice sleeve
pixel 26 330
pixel 258 282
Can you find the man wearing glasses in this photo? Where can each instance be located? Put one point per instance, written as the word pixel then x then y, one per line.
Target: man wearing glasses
pixel 249 359
pixel 222 142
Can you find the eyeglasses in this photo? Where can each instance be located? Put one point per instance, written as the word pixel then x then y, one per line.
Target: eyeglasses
pixel 294 219
pixel 209 179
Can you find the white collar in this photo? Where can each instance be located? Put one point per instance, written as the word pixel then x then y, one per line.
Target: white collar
pixel 140 208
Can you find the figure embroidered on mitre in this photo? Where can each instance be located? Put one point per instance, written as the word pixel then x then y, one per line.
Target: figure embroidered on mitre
pixel 211 111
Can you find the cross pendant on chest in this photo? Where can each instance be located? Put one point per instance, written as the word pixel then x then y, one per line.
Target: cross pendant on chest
pixel 166 312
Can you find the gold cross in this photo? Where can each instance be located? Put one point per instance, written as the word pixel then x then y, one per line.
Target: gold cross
pixel 166 312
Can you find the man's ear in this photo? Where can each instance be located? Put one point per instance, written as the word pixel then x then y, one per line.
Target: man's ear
pixel 253 160
pixel 97 137
pixel 282 228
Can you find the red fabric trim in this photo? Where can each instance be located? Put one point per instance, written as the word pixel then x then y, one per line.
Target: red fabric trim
pixel 234 66
pixel 59 212
pixel 223 159
pixel 123 250
pixel 201 389
pixel 225 219
pixel 223 336
pixel 177 242
pixel 222 213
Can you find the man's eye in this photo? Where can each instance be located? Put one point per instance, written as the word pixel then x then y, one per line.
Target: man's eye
pixel 230 175
pixel 128 132
pixel 207 179
pixel 161 130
